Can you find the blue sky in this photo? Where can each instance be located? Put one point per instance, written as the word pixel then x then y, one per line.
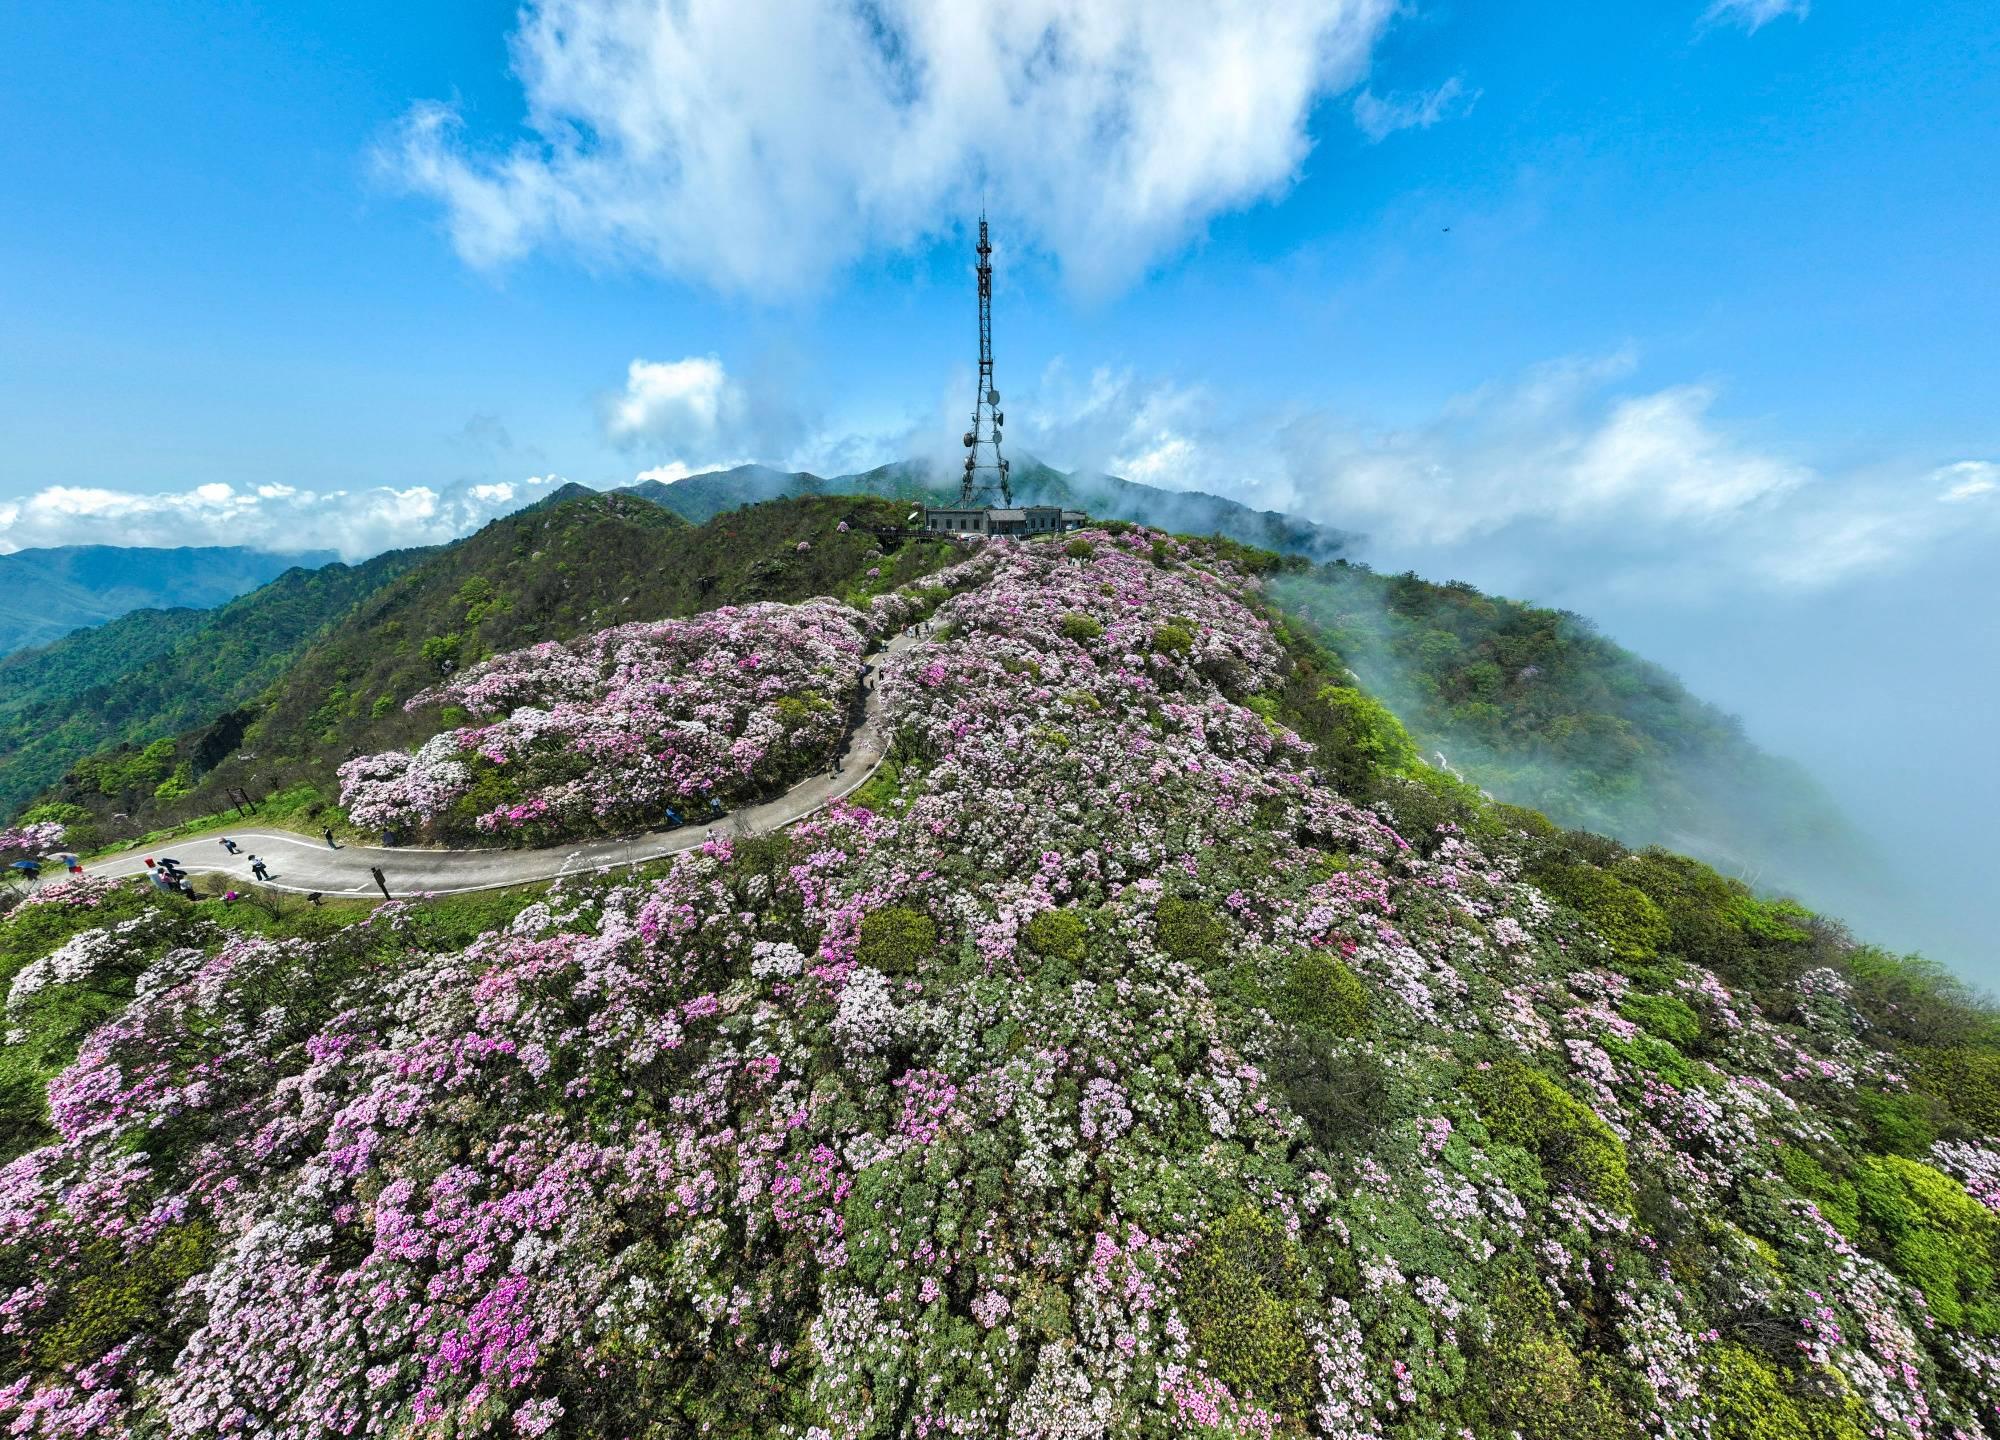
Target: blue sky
pixel 1678 315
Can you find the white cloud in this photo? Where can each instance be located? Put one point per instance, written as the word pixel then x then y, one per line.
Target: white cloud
pixel 1568 471
pixel 1381 116
pixel 758 144
pixel 696 407
pixel 674 470
pixel 674 401
pixel 356 523
pixel 1968 480
pixel 1753 15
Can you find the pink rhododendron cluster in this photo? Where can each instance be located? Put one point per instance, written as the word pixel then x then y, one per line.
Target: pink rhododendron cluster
pixel 32 840
pixel 610 732
pixel 703 1154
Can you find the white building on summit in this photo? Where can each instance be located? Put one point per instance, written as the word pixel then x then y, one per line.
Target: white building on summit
pixel 985 467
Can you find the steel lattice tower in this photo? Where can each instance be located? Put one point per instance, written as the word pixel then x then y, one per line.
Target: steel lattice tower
pixel 982 473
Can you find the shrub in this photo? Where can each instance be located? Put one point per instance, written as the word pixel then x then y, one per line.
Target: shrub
pixel 440 652
pixel 1079 549
pixel 1189 931
pixel 1935 1236
pixel 1666 1016
pixel 1343 1099
pixel 1528 1378
pixel 1648 1052
pixel 1421 799
pixel 1627 920
pixel 895 939
pixel 1902 1124
pixel 1322 994
pixel 1750 1404
pixel 1056 935
pixel 1172 639
pixel 118 1293
pixel 1575 1148
pixel 1241 1290
pixel 1360 726
pixel 1967 1080
pixel 1834 1196
pixel 1080 627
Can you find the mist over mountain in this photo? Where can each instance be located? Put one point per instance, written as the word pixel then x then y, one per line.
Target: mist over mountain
pixel 46 593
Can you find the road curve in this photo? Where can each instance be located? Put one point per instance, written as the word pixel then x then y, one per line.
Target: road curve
pixel 302 865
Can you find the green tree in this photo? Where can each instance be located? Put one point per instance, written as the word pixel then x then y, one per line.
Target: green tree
pixel 895 939
pixel 1575 1148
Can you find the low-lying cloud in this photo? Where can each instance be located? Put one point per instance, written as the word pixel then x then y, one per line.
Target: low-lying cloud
pixel 760 146
pixel 1570 469
pixel 355 522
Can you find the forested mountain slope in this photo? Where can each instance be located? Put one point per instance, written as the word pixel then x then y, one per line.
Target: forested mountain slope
pixel 45 594
pixel 153 673
pixel 1156 1049
pixel 574 564
pixel 1537 707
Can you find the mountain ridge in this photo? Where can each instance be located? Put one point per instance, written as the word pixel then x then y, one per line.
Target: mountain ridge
pixel 47 592
pixel 702 496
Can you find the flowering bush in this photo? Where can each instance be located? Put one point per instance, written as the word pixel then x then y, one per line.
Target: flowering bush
pixel 29 841
pixel 611 732
pixel 1110 1076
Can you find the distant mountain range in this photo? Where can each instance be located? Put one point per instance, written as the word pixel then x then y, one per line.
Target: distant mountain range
pixel 1106 497
pixel 45 594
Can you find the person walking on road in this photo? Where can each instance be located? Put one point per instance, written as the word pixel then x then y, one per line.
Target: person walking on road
pixel 381 880
pixel 230 845
pixel 258 869
pixel 331 843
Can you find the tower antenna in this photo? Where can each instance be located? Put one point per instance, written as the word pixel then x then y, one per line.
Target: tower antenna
pixel 985 466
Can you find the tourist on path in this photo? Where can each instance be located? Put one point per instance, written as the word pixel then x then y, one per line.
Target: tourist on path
pixel 331 843
pixel 230 845
pixel 381 880
pixel 257 869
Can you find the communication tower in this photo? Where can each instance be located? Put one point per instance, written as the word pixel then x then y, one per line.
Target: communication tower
pixel 985 466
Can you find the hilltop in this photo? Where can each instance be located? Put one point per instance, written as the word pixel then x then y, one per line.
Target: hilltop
pixel 574 563
pixel 45 594
pixel 1529 704
pixel 1155 1047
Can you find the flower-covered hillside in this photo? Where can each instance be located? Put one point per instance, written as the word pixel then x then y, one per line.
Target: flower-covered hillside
pixel 1106 1074
pixel 614 731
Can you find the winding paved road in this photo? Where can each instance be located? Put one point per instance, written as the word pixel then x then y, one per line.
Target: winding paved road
pixel 300 864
